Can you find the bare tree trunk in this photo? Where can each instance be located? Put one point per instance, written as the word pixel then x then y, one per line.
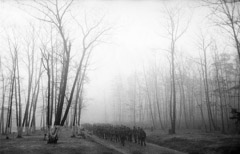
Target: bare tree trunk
pixel 173 91
pixel 180 110
pixel 157 102
pixel 43 114
pixel 25 122
pixel 19 128
pixel 46 57
pixel 170 107
pixel 11 93
pixel 203 45
pixel 201 105
pixel 12 86
pixel 75 110
pixel 79 111
pixel 52 82
pixel 216 58
pixel 3 100
pixel 211 122
pixel 174 34
pixel 56 87
pixel 16 103
pixel 33 121
pixel 2 112
pixel 184 102
pixel 149 99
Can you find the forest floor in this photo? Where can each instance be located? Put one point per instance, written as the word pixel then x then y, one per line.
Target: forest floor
pixel 196 142
pixel 34 144
pixel 158 142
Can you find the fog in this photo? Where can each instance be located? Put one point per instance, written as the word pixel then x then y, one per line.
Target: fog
pixel 137 39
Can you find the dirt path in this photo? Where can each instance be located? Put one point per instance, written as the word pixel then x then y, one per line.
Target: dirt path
pixel 132 148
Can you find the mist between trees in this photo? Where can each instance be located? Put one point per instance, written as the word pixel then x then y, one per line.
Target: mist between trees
pixel 186 93
pixel 44 72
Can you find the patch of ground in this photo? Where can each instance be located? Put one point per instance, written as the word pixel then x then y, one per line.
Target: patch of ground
pixel 188 141
pixel 34 144
pixel 196 142
pixel 133 148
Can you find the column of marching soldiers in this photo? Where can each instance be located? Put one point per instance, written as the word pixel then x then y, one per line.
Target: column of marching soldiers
pixel 118 133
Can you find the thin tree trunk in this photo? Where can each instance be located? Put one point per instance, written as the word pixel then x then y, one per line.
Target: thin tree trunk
pixel 75 111
pixel 3 102
pixel 149 101
pixel 19 128
pixel 33 122
pixel 173 87
pixel 206 85
pixel 9 117
pixel 16 103
pixel 180 110
pixel 157 102
pixel 220 92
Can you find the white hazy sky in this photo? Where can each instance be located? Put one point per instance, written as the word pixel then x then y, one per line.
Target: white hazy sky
pixel 138 26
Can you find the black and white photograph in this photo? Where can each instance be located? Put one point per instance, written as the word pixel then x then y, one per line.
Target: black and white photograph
pixel 119 76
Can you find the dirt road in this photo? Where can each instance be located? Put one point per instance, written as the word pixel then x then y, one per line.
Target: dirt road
pixel 132 148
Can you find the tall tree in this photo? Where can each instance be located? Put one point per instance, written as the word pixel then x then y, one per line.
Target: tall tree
pixel 174 31
pixel 3 98
pixel 30 51
pixel 13 51
pixel 204 46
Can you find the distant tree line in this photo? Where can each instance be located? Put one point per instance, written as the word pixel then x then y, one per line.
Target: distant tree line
pixel 191 93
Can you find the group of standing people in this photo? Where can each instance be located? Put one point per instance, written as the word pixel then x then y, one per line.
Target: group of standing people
pixel 118 133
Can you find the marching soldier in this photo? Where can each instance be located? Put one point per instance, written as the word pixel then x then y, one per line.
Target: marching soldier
pixel 138 136
pixel 135 134
pixel 142 137
pixel 123 136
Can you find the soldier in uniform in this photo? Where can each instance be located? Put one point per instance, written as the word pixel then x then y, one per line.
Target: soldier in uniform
pixel 135 134
pixel 129 133
pixel 138 136
pixel 142 137
pixel 122 136
pixel 117 133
